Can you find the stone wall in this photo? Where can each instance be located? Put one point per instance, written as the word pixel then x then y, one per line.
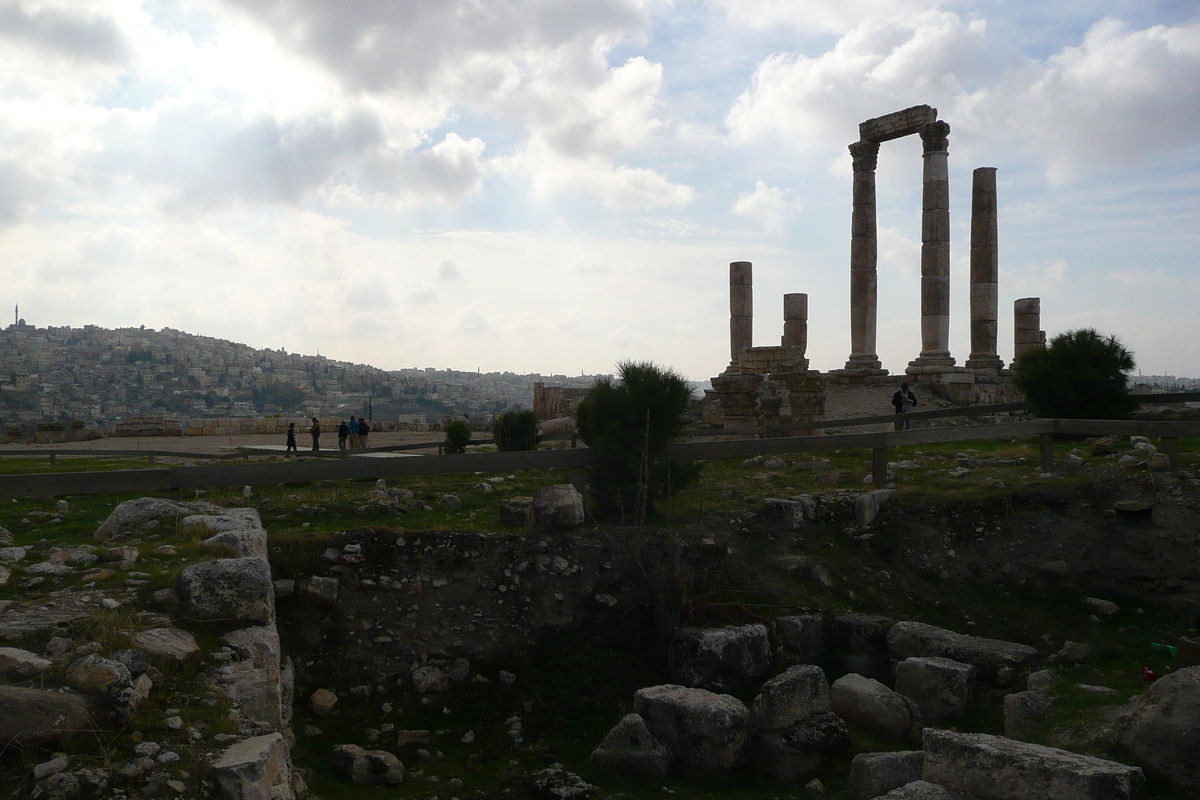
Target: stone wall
pixel 553 402
pixel 236 426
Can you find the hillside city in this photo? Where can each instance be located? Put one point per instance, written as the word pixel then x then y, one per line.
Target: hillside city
pixel 103 377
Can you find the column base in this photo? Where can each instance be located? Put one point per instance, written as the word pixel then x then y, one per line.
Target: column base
pixel 861 365
pixel 931 362
pixel 984 361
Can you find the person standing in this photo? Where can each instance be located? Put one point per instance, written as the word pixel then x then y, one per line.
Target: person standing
pixel 343 433
pixel 315 430
pixel 353 433
pixel 363 429
pixel 904 401
pixel 291 440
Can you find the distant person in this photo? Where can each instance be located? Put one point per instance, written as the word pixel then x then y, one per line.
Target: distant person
pixel 291 439
pixel 904 402
pixel 315 430
pixel 353 433
pixel 343 434
pixel 363 430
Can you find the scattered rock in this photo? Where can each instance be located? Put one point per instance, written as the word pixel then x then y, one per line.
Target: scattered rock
pixel 172 643
pixel 1161 729
pixel 1103 607
pixel 557 784
pixel 704 730
pixel 146 513
pixel 791 697
pixel 720 659
pixel 228 588
pixel 1075 651
pixel 255 768
pixel 323 702
pixel 988 656
pixel 317 589
pixel 559 506
pixel 516 511
pixel 869 704
pixel 366 767
pixel 16 663
pixel 941 687
pixel 875 774
pixel 631 751
pixel 787 756
pixel 41 718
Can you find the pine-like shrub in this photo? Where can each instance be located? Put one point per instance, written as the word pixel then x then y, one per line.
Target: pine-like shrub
pixel 516 430
pixel 458 435
pixel 1081 374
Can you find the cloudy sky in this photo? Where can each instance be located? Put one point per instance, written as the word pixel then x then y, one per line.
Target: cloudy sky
pixel 555 185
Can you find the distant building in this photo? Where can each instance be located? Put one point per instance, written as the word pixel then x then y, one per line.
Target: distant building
pixel 552 402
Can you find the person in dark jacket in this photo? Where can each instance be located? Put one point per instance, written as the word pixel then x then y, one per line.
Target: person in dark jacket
pixel 315 430
pixel 363 430
pixel 904 401
pixel 343 432
pixel 291 439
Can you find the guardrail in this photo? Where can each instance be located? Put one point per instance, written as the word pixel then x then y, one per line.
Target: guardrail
pixel 176 479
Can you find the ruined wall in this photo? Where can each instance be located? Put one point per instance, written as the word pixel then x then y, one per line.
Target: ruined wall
pixel 552 402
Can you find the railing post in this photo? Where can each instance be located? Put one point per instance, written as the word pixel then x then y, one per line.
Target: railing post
pixel 577 477
pixel 1171 448
pixel 151 457
pixel 53 458
pixel 1046 448
pixel 879 462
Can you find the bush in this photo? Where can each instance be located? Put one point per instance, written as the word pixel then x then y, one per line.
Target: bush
pixel 1080 375
pixel 516 430
pixel 458 435
pixel 630 422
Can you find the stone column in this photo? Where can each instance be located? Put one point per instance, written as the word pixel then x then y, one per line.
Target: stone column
pixel 795 321
pixel 1027 323
pixel 935 253
pixel 863 257
pixel 741 309
pixel 985 272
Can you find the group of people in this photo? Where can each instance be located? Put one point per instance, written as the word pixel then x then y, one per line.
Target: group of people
pixel 352 435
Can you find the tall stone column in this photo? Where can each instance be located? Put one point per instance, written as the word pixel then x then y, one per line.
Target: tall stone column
pixel 795 321
pixel 741 309
pixel 985 272
pixel 935 253
pixel 864 252
pixel 1027 323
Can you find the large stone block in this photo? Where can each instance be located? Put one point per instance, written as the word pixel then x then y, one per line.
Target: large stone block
pixel 875 774
pixel 791 697
pixel 560 506
pixel 253 679
pixel 147 513
pixel 720 659
pixel 705 731
pixel 18 663
pixel 171 643
pixel 867 703
pixel 941 687
pixel 996 768
pixel 41 718
pixel 631 751
pixel 228 589
pixel 923 790
pixel 255 769
pixel 990 657
pixel 1164 730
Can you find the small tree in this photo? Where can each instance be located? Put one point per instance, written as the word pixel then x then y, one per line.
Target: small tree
pixel 1080 375
pixel 630 422
pixel 516 430
pixel 458 435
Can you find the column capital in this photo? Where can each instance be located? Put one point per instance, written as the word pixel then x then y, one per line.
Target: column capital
pixel 865 155
pixel 934 136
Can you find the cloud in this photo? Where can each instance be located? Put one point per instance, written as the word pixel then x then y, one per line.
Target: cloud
pixel 423 295
pixel 448 271
pixel 768 205
pixel 824 16
pixel 473 321
pixel 1036 280
pixel 70 30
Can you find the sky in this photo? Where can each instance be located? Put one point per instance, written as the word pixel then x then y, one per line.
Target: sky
pixel 557 185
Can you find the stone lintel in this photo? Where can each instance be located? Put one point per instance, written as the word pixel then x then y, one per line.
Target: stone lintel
pixel 897 124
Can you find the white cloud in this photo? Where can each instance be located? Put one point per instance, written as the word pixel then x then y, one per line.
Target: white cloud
pixel 1036 280
pixel 825 16
pixel 421 295
pixel 769 206
pixel 448 271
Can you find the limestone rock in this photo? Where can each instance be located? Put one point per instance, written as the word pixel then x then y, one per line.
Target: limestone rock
pixel 254 679
pixel 366 767
pixel 322 702
pixel 1105 608
pixel 1163 731
pixel 241 533
pixel 123 558
pixel 172 643
pixel 704 730
pixel 940 687
pixel 317 589
pixel 147 513
pixel 923 790
pixel 560 506
pixel 791 697
pixel 229 588
pixel 719 659
pixel 787 756
pixel 12 555
pixel 988 656
pixel 55 765
pixel 17 663
pixel 557 784
pixel 1003 769
pixel 1023 711
pixel 430 678
pixel 95 673
pixel 516 511
pixel 875 774
pixel 255 769
pixel 41 718
pixel 868 505
pixel 631 751
pixel 867 703
pixel 801 639
pixel 450 502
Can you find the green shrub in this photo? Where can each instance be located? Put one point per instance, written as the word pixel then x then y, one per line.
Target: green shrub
pixel 1080 375
pixel 458 435
pixel 630 422
pixel 516 430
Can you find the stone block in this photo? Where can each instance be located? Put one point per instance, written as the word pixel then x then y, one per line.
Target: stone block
pixel 230 589
pixel 720 659
pixel 1163 733
pixel 41 718
pixel 997 768
pixel 867 703
pixel 788 756
pixel 366 767
pixel 990 657
pixel 923 790
pixel 741 273
pixel 560 506
pixel 169 643
pixel 17 663
pixel 940 687
pixel 791 697
pixel 897 124
pixel 705 731
pixel 631 751
pixel 868 505
pixel 875 774
pixel 255 769
pixel 1028 305
pixel 1023 711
